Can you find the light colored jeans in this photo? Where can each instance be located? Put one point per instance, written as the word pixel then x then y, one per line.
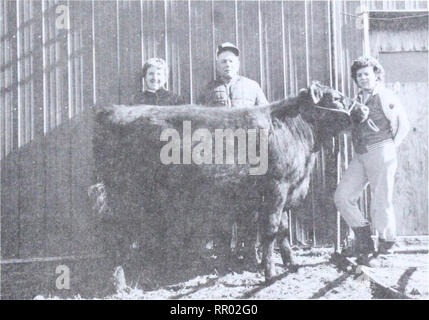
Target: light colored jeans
pixel 376 167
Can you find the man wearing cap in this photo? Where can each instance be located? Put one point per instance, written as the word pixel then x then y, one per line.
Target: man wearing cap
pixel 231 89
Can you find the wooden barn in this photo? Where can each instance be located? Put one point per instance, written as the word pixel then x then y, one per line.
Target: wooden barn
pixel 61 58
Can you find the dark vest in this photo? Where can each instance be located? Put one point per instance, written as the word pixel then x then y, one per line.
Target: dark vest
pixel 363 136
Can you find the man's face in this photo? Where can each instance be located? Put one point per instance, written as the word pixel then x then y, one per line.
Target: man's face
pixel 155 78
pixel 366 78
pixel 228 65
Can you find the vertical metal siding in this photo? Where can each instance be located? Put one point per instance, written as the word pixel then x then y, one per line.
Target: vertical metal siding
pixel 51 76
pixel 50 79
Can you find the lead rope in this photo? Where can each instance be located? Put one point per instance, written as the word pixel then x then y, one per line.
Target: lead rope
pixel 370 122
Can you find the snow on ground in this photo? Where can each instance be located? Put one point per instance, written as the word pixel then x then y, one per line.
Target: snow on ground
pixel 406 273
pixel 316 279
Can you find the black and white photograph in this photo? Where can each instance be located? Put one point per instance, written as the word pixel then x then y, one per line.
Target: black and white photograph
pixel 205 150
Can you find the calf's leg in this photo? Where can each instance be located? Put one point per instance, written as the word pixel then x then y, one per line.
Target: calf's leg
pixel 269 223
pixel 269 230
pixel 283 242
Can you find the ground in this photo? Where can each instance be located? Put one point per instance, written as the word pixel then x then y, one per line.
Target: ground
pixel 317 278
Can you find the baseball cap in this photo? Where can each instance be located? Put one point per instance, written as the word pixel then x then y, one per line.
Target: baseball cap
pixel 227 46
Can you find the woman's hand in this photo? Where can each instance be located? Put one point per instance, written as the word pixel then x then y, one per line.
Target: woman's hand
pixel 359 114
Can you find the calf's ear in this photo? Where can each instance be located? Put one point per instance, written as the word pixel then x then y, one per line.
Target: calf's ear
pixel 304 93
pixel 316 92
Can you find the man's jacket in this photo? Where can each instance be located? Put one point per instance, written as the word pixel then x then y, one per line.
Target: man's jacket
pixel 240 92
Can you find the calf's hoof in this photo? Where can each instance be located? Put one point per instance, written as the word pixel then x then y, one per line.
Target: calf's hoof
pixel 293 267
pixel 269 276
pixel 269 281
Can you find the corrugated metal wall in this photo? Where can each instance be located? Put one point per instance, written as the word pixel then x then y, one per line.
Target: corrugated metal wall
pixel 402 47
pixel 46 92
pixel 284 46
pixel 52 76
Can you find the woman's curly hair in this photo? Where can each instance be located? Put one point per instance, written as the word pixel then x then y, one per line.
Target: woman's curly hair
pixel 367 61
pixel 157 63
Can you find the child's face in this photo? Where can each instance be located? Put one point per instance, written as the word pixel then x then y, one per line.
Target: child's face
pixel 366 79
pixel 155 78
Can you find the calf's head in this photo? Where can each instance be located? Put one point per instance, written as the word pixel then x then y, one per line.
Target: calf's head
pixel 326 109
